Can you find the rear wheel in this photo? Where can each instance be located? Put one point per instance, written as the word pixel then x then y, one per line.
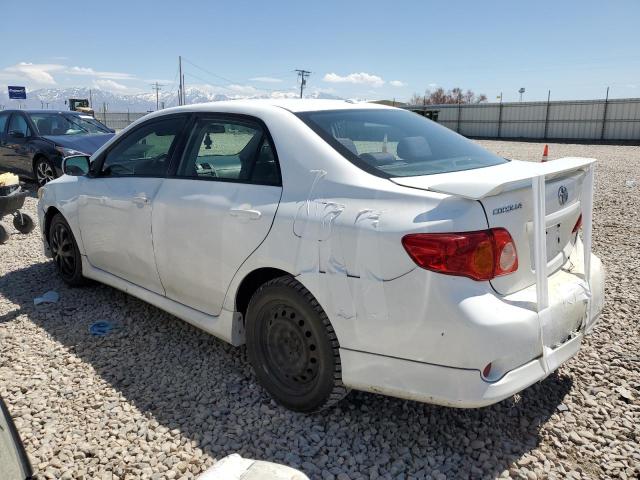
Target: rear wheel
pixel 293 347
pixel 64 249
pixel 44 171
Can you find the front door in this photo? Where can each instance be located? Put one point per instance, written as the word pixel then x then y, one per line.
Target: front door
pixel 216 210
pixel 116 204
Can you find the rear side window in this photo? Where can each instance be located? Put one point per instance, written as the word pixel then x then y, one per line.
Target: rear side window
pixel 229 150
pixel 397 143
pixel 144 152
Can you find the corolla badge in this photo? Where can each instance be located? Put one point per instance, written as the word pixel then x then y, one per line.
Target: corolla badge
pixel 563 195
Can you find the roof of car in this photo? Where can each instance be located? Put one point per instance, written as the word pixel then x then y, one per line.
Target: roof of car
pixel 42 111
pixel 292 104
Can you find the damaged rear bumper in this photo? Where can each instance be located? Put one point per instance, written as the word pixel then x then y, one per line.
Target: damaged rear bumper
pixel 573 311
pixel 452 387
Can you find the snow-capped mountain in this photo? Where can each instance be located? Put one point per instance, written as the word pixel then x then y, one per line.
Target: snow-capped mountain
pixel 54 98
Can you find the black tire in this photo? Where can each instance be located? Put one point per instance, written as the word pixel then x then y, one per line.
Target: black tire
pixel 44 171
pixel 292 347
pixel 4 235
pixel 65 252
pixel 23 223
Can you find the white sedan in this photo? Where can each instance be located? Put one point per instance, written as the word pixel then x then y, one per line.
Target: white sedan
pixel 350 246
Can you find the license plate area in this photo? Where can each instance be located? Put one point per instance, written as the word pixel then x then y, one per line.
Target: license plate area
pixel 554 242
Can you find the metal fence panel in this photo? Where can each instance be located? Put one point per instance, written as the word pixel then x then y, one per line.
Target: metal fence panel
pixel 580 119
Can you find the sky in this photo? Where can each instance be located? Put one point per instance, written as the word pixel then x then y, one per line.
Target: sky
pixel 354 49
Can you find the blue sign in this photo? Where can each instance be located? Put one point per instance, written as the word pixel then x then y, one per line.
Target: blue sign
pixel 17 93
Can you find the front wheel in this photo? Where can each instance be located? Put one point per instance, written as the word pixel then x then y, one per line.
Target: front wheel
pixel 293 347
pixel 64 249
pixel 44 171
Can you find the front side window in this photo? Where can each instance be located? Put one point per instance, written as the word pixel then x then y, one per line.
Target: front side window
pixel 145 151
pixel 397 143
pixel 229 150
pixel 3 121
pixel 65 124
pixel 18 124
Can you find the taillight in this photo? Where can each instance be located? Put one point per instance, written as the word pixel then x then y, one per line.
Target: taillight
pixel 480 255
pixel 578 224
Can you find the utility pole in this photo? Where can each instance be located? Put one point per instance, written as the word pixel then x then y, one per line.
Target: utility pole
pixel 90 99
pixel 184 92
pixel 156 86
pixel 180 88
pixel 303 74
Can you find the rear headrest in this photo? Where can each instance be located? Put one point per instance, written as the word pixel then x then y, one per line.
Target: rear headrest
pixel 348 143
pixel 45 126
pixel 414 148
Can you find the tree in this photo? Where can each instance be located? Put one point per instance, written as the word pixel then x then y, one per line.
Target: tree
pixel 439 97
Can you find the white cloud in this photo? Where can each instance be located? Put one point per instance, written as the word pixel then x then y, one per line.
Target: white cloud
pixel 397 83
pixel 356 78
pixel 88 71
pixel 104 84
pixel 39 73
pixel 266 79
pixel 433 85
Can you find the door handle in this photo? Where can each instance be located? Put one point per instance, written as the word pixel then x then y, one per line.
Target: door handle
pixel 141 199
pixel 246 213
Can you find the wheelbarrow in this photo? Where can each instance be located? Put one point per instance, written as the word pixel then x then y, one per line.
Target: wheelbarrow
pixel 11 201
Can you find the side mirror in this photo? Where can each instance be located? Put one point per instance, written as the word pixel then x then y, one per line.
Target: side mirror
pixel 76 166
pixel 16 134
pixel 15 463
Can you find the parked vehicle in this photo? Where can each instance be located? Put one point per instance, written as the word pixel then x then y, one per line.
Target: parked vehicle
pixel 348 245
pixel 34 142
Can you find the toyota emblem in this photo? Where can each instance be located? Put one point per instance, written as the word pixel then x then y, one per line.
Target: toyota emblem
pixel 563 195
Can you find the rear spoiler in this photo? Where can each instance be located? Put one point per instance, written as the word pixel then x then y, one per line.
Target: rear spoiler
pixel 485 182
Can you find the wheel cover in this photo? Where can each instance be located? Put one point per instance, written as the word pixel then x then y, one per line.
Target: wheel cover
pixel 289 346
pixel 63 250
pixel 44 173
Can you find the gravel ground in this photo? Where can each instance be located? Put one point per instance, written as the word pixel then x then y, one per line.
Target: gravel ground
pixel 157 398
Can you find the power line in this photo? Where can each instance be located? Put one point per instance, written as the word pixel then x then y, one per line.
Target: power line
pixel 302 75
pixel 156 86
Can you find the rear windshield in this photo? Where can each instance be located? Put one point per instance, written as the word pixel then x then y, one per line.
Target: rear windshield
pixel 397 143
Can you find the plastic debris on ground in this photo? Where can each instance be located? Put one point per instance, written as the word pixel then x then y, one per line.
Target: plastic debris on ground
pixel 49 297
pixel 101 328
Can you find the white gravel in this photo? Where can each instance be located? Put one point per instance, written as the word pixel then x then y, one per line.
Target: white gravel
pixel 156 398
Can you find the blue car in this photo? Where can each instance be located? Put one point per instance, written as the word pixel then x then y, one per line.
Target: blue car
pixel 34 142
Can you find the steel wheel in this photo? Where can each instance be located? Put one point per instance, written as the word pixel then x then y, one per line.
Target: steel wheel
pixel 63 250
pixel 292 346
pixel 289 345
pixel 44 172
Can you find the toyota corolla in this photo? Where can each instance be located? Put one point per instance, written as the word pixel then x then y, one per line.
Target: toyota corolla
pixel 349 246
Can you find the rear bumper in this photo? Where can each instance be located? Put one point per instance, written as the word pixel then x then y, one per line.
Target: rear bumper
pixel 452 387
pixel 505 331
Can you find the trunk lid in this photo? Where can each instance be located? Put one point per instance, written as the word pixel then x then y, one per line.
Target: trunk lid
pixel 505 193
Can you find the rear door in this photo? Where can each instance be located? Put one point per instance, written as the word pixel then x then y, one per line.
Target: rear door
pixel 216 210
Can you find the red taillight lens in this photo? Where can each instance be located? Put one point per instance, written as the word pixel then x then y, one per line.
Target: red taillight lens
pixel 481 255
pixel 578 224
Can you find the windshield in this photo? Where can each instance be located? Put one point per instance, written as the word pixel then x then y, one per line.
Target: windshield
pixel 397 143
pixel 64 124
